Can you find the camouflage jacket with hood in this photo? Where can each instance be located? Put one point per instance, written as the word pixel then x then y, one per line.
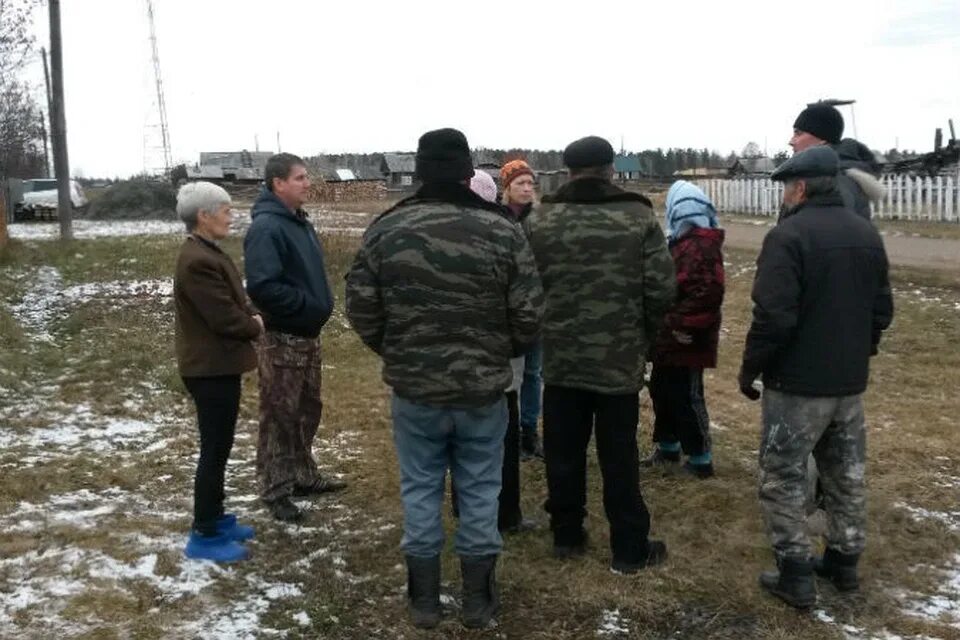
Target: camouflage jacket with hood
pixel 445 290
pixel 608 279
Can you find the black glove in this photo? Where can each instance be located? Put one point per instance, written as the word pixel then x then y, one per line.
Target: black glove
pixel 746 386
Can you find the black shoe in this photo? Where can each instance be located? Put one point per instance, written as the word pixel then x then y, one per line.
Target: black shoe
pixel 567 550
pixel 423 591
pixel 659 457
pixel 656 554
pixel 839 568
pixel 320 486
pixel 793 583
pixel 702 471
pixel 480 599
pixel 524 526
pixel 530 446
pixel 284 510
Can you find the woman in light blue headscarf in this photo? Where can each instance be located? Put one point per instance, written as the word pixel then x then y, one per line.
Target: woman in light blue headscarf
pixel 688 342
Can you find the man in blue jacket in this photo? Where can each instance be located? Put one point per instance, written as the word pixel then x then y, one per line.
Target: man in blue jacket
pixel 287 281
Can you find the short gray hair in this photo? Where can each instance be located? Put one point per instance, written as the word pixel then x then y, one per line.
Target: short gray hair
pixel 194 197
pixel 818 185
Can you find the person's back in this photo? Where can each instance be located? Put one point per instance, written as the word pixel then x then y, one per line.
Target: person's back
pixel 445 272
pixel 608 279
pixel 445 290
pixel 844 269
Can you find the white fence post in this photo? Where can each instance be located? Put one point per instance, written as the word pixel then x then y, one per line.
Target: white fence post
pixel 948 210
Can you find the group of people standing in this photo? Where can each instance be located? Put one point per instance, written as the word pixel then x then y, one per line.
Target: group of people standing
pixel 463 296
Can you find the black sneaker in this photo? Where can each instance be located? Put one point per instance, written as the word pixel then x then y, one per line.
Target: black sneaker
pixel 530 446
pixel 284 510
pixel 568 551
pixel 659 458
pixel 320 486
pixel 656 554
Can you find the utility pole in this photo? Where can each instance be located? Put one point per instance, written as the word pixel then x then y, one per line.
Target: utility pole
pixel 58 124
pixel 46 154
pixel 161 102
pixel 43 127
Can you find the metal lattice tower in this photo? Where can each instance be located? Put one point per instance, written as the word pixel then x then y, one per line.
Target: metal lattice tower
pixel 161 103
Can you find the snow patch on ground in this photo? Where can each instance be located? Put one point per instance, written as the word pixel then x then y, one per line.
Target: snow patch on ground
pixel 943 606
pixel 851 632
pixel 85 229
pixel 612 624
pixel 949 518
pixel 48 299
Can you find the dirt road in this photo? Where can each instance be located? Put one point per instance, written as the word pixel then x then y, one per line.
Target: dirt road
pixel 903 251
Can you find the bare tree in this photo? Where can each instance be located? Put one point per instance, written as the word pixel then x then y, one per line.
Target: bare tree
pixel 20 119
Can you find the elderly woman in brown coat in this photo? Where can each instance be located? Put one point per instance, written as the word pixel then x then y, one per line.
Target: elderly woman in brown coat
pixel 215 327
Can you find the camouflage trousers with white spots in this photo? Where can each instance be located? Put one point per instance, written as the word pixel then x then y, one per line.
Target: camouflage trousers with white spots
pixel 833 431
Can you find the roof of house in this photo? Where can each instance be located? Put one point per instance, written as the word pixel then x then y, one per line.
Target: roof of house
pixel 400 162
pixel 627 164
pixel 756 165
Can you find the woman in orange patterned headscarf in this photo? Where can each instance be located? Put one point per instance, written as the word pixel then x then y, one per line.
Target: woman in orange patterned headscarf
pixel 519 188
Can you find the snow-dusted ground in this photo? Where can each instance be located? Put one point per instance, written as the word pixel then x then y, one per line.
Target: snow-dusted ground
pixel 87 548
pixel 325 220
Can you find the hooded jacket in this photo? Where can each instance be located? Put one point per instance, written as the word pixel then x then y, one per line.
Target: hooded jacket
pixel 696 243
pixel 858 175
pixel 283 262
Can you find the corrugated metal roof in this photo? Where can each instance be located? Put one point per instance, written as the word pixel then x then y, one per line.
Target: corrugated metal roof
pixel 400 162
pixel 627 164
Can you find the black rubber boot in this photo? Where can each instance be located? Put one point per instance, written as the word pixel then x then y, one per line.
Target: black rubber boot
pixel 423 591
pixel 793 583
pixel 656 554
pixel 839 568
pixel 480 599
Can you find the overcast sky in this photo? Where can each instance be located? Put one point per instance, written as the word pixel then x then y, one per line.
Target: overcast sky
pixel 361 76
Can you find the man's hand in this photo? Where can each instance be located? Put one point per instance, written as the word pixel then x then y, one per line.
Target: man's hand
pixel 746 386
pixel 259 321
pixel 682 338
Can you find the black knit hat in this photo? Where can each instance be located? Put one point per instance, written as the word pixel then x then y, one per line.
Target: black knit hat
pixel 591 151
pixel 821 120
pixel 443 155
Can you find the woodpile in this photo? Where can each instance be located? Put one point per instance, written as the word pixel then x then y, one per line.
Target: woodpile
pixel 348 190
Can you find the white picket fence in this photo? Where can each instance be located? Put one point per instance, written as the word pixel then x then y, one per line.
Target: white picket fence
pixel 907 197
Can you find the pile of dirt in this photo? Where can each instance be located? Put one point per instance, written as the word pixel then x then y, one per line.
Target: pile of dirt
pixel 136 200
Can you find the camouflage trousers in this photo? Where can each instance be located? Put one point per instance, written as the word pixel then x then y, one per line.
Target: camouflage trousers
pixel 290 410
pixel 833 431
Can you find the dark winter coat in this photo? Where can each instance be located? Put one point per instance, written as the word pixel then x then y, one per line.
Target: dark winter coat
pixel 286 277
pixel 214 323
pixel 821 301
pixel 698 257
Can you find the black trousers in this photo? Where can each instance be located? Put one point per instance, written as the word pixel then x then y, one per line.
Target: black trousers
pixel 680 408
pixel 218 403
pixel 569 417
pixel 509 513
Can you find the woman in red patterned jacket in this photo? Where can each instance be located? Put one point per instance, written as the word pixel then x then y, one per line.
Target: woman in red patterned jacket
pixel 687 343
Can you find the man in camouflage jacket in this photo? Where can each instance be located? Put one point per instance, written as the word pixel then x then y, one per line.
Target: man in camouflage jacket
pixel 608 279
pixel 445 290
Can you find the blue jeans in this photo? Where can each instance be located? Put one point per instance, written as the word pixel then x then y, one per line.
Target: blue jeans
pixel 470 443
pixel 530 398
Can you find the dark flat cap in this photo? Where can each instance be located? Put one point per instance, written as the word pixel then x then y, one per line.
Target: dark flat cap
pixel 815 162
pixel 591 151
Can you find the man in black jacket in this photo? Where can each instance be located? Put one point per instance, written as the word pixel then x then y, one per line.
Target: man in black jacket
pixel 858 170
pixel 821 301
pixel 287 281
